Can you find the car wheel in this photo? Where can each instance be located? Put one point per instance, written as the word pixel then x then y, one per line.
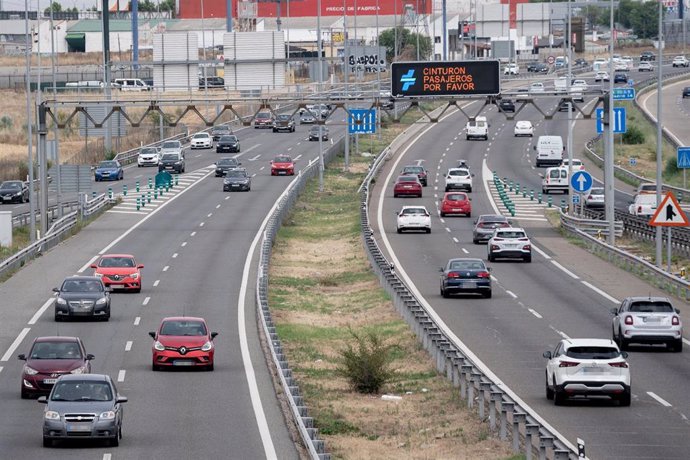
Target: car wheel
pixel 114 441
pixel 156 368
pixel 428 230
pixel 137 290
pixel 395 195
pixel 47 442
pixel 58 318
pixel 528 259
pixel 469 190
pixel 549 391
pixel 447 189
pixel 622 343
pixel 469 214
pixel 399 230
pixel 491 257
pixel 558 397
pixel 487 294
pixel 209 368
pixel 677 346
pixel 444 293
pixel 475 241
pixel 624 399
pixel 25 395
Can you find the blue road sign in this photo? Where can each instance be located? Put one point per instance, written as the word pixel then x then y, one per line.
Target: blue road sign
pixel 576 199
pixel 632 161
pixel 618 120
pixel 631 82
pixel 581 181
pixel 683 157
pixel 623 94
pixel 362 121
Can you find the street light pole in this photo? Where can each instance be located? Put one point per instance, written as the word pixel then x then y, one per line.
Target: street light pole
pixel 570 108
pixel 659 146
pixel 319 47
pixel 609 191
pixel 347 79
pixel 55 130
pixel 32 201
pixel 444 28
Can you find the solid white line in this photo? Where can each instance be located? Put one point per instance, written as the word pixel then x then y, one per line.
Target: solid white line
pixel 686 341
pixel 184 243
pixel 535 313
pixel 41 310
pixel 659 399
pixel 455 240
pixel 565 270
pixel 600 292
pixel 146 301
pixel 88 264
pixel 165 269
pixel 174 256
pixel 228 197
pixel 155 283
pixel 137 320
pixel 447 229
pixel 121 375
pixel 128 345
pixel 192 234
pixel 511 294
pixel 10 351
pixel 541 253
pixel 127 212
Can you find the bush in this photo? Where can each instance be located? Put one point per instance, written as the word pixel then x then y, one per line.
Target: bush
pixel 671 166
pixel 633 135
pixel 367 364
pixel 6 122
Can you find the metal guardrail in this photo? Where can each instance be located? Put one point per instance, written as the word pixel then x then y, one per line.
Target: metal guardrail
pixel 506 411
pixel 22 219
pixel 590 226
pixel 305 424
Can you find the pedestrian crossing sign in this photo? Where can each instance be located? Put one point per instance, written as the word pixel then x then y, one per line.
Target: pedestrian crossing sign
pixel 669 213
pixel 683 157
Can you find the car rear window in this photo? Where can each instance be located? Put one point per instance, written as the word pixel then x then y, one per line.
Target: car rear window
pixel 415 211
pixel 592 352
pixel 171 145
pixel 467 265
pixel 407 179
pixel 651 307
pixel 456 197
pixel 491 224
pixel 511 234
pixel 413 169
pixel 459 172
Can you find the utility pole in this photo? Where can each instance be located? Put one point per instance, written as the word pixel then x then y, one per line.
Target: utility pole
pixel 416 22
pixel 41 147
pixel 32 195
pixel 319 47
pixel 609 191
pixel 346 71
pixel 445 31
pixel 659 139
pixel 106 73
pixel 568 81
pixel 228 16
pixel 55 130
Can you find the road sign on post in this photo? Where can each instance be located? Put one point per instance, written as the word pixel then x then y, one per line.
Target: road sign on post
pixel 683 157
pixel 618 120
pixel 669 213
pixel 623 94
pixel 581 181
pixel 550 60
pixel 362 121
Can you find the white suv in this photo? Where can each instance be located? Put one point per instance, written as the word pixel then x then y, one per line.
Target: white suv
pixel 584 367
pixel 459 179
pixel 478 129
pixel 511 69
pixel 511 242
pixel 680 61
pixel 414 218
pixel 647 320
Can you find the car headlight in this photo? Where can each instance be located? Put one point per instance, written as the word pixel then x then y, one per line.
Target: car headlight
pixel 134 275
pixel 107 415
pixel 79 370
pixel 30 370
pixel 61 301
pixel 51 415
pixel 207 346
pixel 158 346
pixel 101 301
pixel 18 194
pixel 178 162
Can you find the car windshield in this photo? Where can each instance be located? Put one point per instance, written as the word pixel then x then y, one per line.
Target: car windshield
pixel 148 150
pixel 201 136
pixel 227 162
pixel 458 172
pixel 315 129
pixel 407 179
pixel 55 350
pixel 511 234
pixel 171 145
pixel 82 286
pixel 11 185
pixel 284 117
pixel 282 160
pixel 237 173
pixel 263 115
pixel 651 307
pixel 228 139
pixel 467 265
pixel 107 164
pixel 415 212
pixel 592 352
pixel 413 169
pixel 76 390
pixel 117 262
pixel 170 156
pixel 181 327
pixel 456 197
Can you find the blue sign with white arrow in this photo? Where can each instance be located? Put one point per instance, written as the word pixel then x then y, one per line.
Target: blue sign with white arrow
pixel 683 157
pixel 362 121
pixel 618 120
pixel 623 94
pixel 581 181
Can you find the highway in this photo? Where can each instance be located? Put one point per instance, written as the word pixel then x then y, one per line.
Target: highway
pixel 676 110
pixel 564 292
pixel 195 248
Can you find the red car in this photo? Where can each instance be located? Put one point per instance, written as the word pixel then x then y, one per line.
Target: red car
pixel 183 341
pixel 48 359
pixel 119 271
pixel 456 203
pixel 263 120
pixel 282 165
pixel 408 185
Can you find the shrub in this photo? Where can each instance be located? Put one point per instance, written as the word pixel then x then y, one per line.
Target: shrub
pixel 366 364
pixel 633 135
pixel 671 166
pixel 6 122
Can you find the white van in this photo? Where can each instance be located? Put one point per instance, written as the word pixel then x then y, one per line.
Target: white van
pixel 555 178
pixel 549 150
pixel 478 129
pixel 132 84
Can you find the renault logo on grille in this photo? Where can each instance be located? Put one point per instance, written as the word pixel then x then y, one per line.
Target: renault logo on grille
pixel 183 350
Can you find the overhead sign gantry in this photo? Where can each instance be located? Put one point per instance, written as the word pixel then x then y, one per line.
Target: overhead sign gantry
pixel 460 78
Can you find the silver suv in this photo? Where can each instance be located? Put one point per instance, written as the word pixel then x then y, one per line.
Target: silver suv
pixel 647 320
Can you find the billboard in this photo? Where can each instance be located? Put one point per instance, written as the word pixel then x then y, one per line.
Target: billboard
pixel 459 78
pixel 366 59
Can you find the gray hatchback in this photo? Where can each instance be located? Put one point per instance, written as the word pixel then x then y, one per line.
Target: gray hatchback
pixel 485 225
pixel 83 406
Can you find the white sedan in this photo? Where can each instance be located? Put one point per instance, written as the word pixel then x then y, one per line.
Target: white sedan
pixel 201 141
pixel 536 87
pixel 414 218
pixel 602 76
pixel 524 128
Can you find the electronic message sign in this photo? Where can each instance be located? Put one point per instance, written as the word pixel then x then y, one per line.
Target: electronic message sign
pixel 461 78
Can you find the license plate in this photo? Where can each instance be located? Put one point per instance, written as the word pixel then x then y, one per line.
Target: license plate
pixel 407 186
pixel 652 319
pixel 456 209
pixel 468 284
pixel 49 381
pixel 117 286
pixel 235 185
pixel 182 363
pixel 78 427
pixel 6 198
pixel 281 172
pixel 591 370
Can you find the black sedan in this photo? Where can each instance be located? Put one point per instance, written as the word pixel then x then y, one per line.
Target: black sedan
pixel 686 92
pixel 237 179
pixel 465 275
pixel 228 144
pixel 14 191
pixel 314 133
pixel 226 164
pixel 538 67
pixel 506 105
pixel 82 296
pixel 221 130
pixel 620 78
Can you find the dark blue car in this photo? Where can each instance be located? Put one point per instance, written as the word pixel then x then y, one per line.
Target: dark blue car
pixel 109 170
pixel 466 275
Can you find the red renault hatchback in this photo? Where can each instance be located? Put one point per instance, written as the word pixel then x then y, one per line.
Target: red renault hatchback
pixel 48 359
pixel 119 271
pixel 183 341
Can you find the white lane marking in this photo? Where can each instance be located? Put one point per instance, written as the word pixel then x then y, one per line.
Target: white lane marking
pixel 165 269
pixel 512 294
pixel 88 264
pixel 184 243
pixel 227 197
pixel 447 229
pixel 565 270
pixel 146 301
pixel 535 313
pixel 1 368
pixel 600 292
pixel 247 151
pixel 121 375
pixel 289 148
pixel 10 351
pixel 137 320
pixel 260 169
pixel 465 250
pixel 192 234
pixel 659 399
pixel 455 240
pixel 298 157
pixel 174 256
pixel 217 206
pixel 439 321
pixel 128 345
pixel 542 253
pixel 255 157
pixel 209 214
pixel 202 224
pixel 155 283
pixel 152 213
pixel 107 456
pixel 41 310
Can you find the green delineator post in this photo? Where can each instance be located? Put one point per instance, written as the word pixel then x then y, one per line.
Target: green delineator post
pixel 138 204
pixel 124 190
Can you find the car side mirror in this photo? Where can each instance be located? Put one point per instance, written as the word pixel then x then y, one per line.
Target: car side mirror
pixel 140 266
pixel 547 354
pixel 43 399
pixel 21 357
pixel 56 290
pixel 624 354
pixel 94 266
pixel 534 147
pixel 89 357
pixel 239 163
pixel 153 335
pixel 441 269
pixel 677 310
pixel 472 174
pixel 214 335
pixel 614 311
pixel 488 269
pixel 121 399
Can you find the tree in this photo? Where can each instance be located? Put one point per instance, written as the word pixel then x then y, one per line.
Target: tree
pixel 147 6
pixel 407 42
pixel 55 6
pixel 168 5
